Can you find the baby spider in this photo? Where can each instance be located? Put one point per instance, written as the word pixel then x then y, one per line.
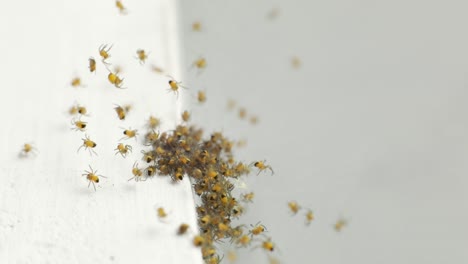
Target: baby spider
pixel 76 82
pixel 196 26
pixel 237 211
pixel 248 197
pixel 267 245
pixel 174 86
pixel 78 125
pixel 115 80
pixel 121 7
pixel 178 175
pixel 242 113
pixel 200 64
pixel 104 53
pixel 123 149
pixel 153 122
pixel 88 144
pixel 294 207
pixel 231 104
pixel 129 133
pixel 214 260
pixel 92 64
pixel 295 62
pixel 151 137
pixel 309 217
pixel 77 109
pixel 142 56
pixel 161 213
pixel 243 241
pixel 185 116
pixel 257 229
pixel 253 120
pixel 137 173
pixel 340 224
pixel 260 165
pixel 157 69
pixel 127 107
pixel 92 177
pixel 28 149
pixel 198 241
pixel 182 229
pixel 82 110
pixel 231 256
pixel 148 156
pixel 201 96
pixel 121 113
pixel 73 110
pixel 150 171
pixel 208 252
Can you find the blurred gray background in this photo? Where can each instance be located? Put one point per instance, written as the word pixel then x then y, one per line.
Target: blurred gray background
pixel 373 127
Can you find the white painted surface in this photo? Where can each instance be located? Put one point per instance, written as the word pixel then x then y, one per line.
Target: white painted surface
pixel 47 213
pixel 373 127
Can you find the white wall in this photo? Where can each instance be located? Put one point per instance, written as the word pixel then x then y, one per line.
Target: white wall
pixel 373 127
pixel 47 213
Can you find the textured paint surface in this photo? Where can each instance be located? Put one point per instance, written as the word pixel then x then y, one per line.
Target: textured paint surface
pixel 47 213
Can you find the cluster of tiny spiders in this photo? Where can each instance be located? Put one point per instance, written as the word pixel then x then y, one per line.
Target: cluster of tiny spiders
pixel 211 167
